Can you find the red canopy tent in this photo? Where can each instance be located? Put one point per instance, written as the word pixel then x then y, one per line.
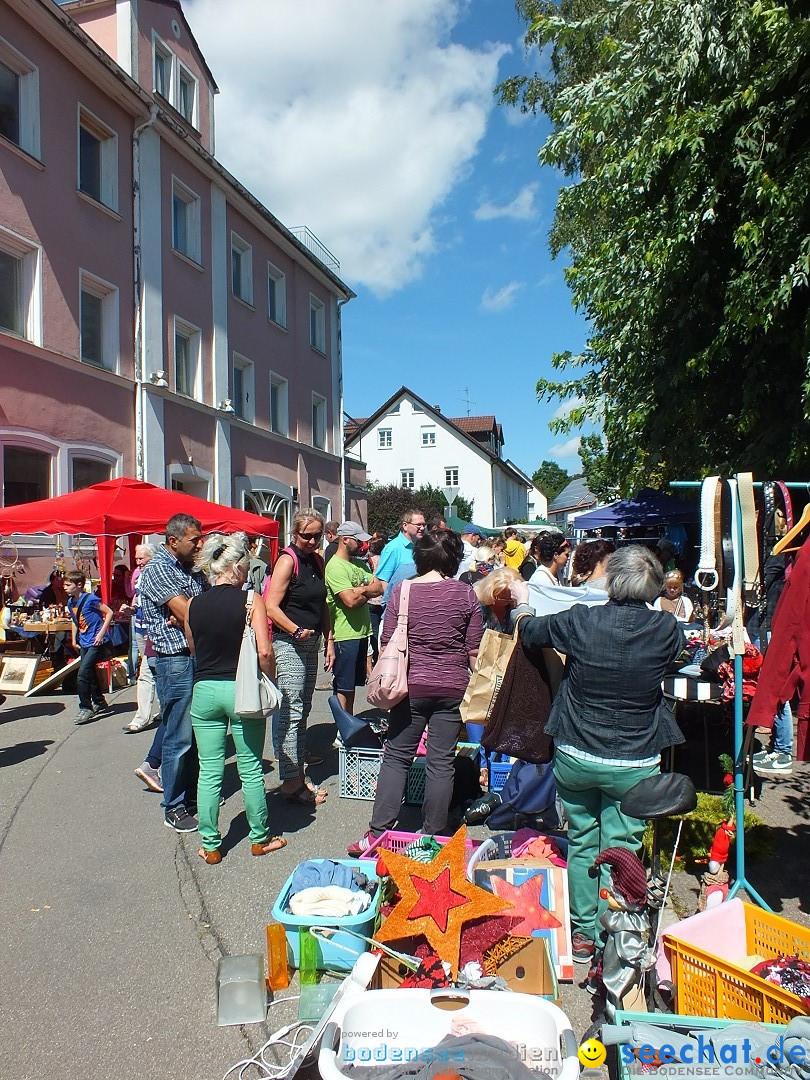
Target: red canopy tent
pixel 127 507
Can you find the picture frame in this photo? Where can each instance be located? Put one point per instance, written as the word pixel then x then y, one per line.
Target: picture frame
pixel 17 673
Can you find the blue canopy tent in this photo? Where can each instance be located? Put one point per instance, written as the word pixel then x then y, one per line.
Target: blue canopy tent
pixel 649 507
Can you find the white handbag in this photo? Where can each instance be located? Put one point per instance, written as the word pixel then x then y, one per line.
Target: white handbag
pixel 256 696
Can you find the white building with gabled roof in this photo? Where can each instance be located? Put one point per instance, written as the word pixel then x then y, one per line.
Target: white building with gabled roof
pixel 410 442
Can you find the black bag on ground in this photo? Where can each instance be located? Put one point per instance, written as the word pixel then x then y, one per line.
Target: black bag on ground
pixel 529 792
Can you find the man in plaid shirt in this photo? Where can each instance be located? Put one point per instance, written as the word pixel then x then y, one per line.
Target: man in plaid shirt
pixel 166 586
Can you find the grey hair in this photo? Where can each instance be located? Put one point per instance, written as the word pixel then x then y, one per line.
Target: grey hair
pixel 180 524
pixel 220 552
pixel 634 574
pixel 146 547
pixel 483 554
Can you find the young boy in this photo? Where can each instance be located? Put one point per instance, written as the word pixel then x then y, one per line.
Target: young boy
pixel 91 620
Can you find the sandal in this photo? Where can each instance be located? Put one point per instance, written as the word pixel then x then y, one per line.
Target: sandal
pixel 304 796
pixel 212 857
pixel 314 788
pixel 268 846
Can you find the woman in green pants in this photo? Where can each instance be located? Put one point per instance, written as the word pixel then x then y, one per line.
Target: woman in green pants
pixel 610 720
pixel 214 628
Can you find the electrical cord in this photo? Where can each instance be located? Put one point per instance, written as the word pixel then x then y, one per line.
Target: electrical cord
pixel 272 1070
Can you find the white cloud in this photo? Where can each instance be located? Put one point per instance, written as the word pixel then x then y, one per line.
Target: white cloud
pixel 500 299
pixel 521 208
pixel 566 406
pixel 569 449
pixel 356 119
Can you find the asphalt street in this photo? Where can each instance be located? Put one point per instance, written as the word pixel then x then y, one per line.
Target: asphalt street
pixel 113 927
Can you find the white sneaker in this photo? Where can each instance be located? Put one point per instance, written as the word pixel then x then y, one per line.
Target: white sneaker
pixel 137 725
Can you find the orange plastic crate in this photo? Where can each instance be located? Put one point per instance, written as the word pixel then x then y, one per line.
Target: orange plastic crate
pixel 707 985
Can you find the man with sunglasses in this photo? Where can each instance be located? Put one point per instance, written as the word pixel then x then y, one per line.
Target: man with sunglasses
pixel 349 587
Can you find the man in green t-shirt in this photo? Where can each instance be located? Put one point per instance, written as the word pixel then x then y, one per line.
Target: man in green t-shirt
pixel 349 587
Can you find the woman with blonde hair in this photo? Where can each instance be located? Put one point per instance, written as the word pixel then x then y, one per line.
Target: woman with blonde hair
pixel 495 597
pixel 214 629
pixel 295 597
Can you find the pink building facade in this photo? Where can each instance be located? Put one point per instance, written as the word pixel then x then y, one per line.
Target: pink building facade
pixel 155 319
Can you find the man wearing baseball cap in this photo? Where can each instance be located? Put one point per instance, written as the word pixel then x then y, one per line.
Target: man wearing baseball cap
pixel 349 587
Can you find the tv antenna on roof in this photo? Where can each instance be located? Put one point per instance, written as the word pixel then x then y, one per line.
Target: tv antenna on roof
pixel 467 399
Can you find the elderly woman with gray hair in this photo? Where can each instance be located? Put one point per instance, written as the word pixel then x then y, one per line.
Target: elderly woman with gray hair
pixel 214 629
pixel 609 719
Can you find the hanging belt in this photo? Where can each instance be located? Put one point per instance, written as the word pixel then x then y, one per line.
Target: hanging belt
pixel 707 577
pixel 751 576
pixel 733 590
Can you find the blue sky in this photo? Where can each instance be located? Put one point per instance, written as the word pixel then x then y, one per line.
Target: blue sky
pixel 373 122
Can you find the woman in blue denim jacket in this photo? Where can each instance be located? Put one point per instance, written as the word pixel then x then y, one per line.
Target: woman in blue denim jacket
pixel 609 719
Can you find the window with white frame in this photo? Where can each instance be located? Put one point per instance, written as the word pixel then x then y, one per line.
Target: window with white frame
pixel 27 475
pixel 87 471
pixel 451 476
pixel 319 421
pixel 185 221
pixel 276 295
pixel 241 269
pixel 187 339
pixel 317 324
pixel 19 99
pixel 384 438
pixel 428 436
pixel 242 392
pixel 98 322
pixel 20 286
pixel 278 405
pixel 186 94
pixel 406 478
pixel 162 68
pixel 98 159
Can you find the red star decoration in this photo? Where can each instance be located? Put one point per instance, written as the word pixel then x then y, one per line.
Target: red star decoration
pixel 432 907
pixel 436 899
pixel 525 900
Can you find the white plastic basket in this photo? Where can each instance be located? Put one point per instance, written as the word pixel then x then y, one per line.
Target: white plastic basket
pixel 383 1027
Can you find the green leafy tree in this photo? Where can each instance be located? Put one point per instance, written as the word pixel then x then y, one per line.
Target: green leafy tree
pixel 685 132
pixel 550 478
pixel 387 503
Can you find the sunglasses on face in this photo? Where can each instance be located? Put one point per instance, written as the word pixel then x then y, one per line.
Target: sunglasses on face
pixel 311 536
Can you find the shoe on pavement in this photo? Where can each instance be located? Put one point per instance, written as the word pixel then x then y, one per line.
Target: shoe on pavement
pixel 212 856
pixel 180 820
pixel 151 777
pixel 777 765
pixel 100 708
pixel 136 726
pixel 581 949
pixel 84 717
pixel 361 845
pixel 762 756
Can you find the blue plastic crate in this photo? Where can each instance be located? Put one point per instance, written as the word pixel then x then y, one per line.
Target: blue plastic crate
pixel 340 950
pixel 499 771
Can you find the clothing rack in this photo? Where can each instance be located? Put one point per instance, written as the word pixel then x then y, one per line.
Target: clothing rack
pixel 741 881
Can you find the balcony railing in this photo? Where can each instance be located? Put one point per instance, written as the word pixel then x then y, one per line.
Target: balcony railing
pixel 313 244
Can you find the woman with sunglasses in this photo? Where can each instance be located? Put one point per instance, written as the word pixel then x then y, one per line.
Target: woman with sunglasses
pixel 295 598
pixel 551 550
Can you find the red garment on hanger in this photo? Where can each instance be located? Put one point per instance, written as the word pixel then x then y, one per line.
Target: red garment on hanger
pixel 785 672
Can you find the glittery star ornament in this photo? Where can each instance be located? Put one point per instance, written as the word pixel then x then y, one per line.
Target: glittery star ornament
pixel 525 900
pixel 437 900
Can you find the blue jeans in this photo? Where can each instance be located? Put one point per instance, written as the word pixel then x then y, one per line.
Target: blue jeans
pixel 783 731
pixel 89 690
pixel 174 676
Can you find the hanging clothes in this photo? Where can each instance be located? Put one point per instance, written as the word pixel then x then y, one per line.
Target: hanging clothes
pixel 786 668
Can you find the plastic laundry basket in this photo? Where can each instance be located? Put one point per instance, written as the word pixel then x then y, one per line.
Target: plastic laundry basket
pixel 385 1027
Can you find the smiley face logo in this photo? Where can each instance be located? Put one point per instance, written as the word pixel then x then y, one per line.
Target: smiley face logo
pixel 592 1054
